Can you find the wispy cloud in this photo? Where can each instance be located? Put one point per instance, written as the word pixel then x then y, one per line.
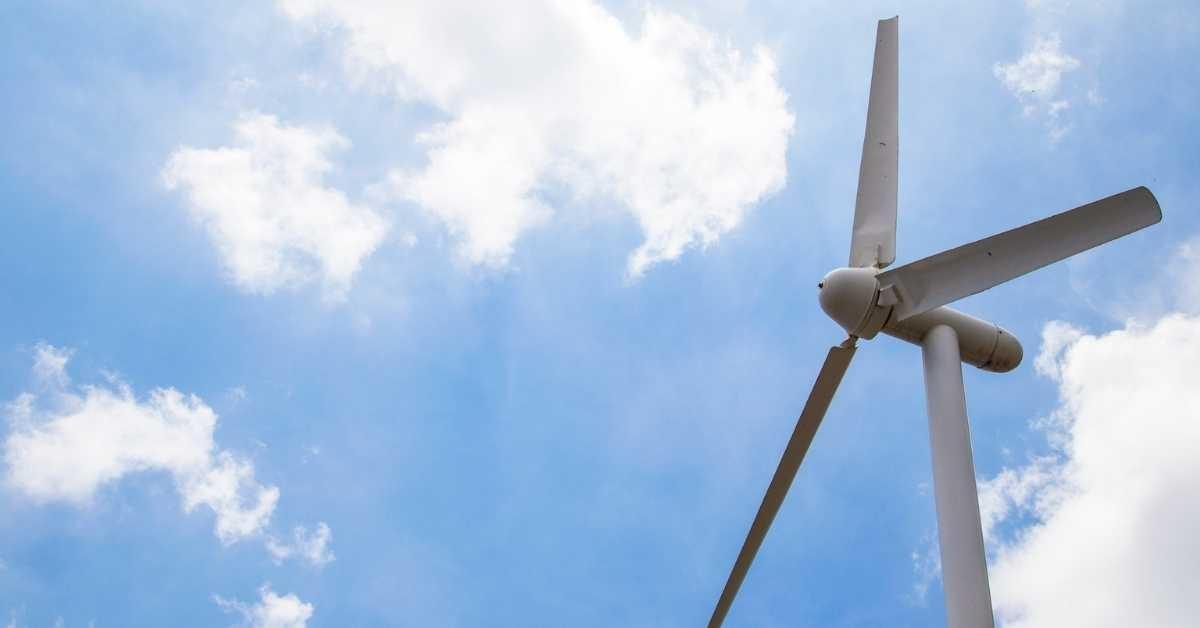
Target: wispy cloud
pixel 927 568
pixel 309 546
pixel 1035 79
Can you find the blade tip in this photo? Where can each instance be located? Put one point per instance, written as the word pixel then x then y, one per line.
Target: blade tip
pixel 1145 191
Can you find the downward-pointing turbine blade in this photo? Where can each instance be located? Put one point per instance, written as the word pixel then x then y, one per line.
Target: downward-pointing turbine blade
pixel 975 267
pixel 873 242
pixel 823 389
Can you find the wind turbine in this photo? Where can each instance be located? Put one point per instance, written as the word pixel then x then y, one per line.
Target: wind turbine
pixel 908 302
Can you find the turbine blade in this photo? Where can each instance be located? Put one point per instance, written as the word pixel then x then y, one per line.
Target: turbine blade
pixel 823 389
pixel 873 242
pixel 972 268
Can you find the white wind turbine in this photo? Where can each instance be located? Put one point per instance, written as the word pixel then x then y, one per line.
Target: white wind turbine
pixel 908 303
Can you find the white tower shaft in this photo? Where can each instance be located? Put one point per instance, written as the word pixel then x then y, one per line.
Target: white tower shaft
pixel 960 536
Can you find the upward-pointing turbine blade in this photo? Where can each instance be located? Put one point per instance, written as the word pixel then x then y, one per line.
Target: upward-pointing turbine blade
pixel 873 242
pixel 823 389
pixel 972 268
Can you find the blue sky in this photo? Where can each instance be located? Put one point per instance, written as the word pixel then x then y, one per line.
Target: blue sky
pixel 521 306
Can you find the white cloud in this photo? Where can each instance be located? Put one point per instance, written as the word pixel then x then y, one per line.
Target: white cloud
pixel 1013 491
pixel 1106 527
pixel 927 567
pixel 242 84
pixel 268 211
pixel 271 611
pixel 1173 287
pixel 224 487
pixel 312 547
pixel 1056 336
pixel 550 103
pixel 1039 71
pixel 67 443
pixel 1036 77
pixel 50 365
pixel 1180 279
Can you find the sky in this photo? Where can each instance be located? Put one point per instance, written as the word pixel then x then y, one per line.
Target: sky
pixel 369 313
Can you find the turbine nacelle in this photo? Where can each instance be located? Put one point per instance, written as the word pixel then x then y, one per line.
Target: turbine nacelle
pixel 852 298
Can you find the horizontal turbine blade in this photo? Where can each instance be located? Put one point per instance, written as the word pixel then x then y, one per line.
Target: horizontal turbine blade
pixel 873 242
pixel 823 389
pixel 972 268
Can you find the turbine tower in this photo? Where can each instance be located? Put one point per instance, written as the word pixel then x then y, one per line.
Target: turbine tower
pixel 909 303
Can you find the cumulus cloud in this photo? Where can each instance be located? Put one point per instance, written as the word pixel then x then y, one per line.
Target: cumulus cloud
pixel 1103 529
pixel 1035 78
pixel 1056 336
pixel 68 442
pixel 266 206
pixel 271 611
pixel 548 103
pixel 310 546
pixel 224 487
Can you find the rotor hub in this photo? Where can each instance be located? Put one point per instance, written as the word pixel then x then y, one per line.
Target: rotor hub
pixel 849 297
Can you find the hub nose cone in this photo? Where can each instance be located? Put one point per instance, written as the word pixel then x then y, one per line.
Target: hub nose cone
pixel 847 295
